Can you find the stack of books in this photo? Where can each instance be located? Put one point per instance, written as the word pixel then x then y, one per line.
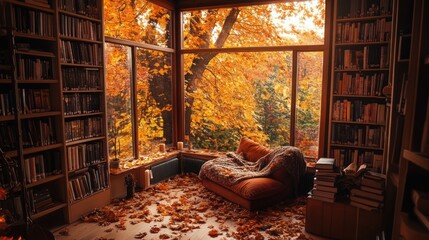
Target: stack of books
pixel 370 195
pixel 421 206
pixel 324 187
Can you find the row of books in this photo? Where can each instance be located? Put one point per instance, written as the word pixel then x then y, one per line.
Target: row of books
pixel 360 32
pixel 357 111
pixel 83 128
pixel 40 199
pixel 370 194
pixel 34 68
pixel 33 100
pixel 81 103
pixel 89 8
pixel 360 136
pixel 324 187
pixel 32 21
pixel 38 132
pixel 5 75
pixel 370 57
pixel 79 28
pixel 84 155
pixel 93 180
pixel 359 84
pixel 6 104
pixel 81 78
pixel 363 8
pixel 373 160
pixel 81 53
pixel 8 136
pixel 41 166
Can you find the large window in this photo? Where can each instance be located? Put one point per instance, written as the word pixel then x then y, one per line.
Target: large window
pixel 138 78
pixel 254 71
pixel 138 21
pixel 118 99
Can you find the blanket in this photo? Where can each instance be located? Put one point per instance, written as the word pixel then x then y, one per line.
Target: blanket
pixel 232 168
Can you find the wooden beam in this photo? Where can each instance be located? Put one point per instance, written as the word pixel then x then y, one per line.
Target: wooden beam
pixel 205 4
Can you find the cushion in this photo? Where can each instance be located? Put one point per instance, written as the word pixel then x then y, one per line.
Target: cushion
pixel 257 188
pixel 251 150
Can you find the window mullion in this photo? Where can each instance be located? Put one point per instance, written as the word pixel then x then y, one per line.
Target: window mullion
pixel 293 100
pixel 134 101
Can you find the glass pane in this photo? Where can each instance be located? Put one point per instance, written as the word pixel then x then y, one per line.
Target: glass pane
pixel 230 95
pixel 118 98
pixel 140 21
pixel 279 24
pixel 154 100
pixel 308 102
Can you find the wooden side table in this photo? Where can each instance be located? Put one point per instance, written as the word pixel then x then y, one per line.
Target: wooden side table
pixel 340 220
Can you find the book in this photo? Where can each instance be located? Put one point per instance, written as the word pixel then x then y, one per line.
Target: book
pixel 317 192
pixel 324 183
pixel 379 184
pixel 330 173
pixel 365 194
pixel 325 188
pixel 421 201
pixel 325 163
pixel 375 175
pixel 372 190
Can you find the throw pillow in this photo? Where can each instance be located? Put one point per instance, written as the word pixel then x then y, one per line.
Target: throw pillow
pixel 251 150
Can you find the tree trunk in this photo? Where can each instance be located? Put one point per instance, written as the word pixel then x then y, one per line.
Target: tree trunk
pixel 201 60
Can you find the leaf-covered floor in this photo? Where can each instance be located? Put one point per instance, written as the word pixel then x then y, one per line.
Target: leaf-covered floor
pixel 181 208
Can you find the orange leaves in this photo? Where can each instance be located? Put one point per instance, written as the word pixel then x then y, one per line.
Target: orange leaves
pixel 181 207
pixel 214 233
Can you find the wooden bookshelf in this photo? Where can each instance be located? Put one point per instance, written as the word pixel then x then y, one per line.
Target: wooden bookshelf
pixel 44 46
pixel 413 163
pixel 361 39
pixel 36 115
pixel 77 90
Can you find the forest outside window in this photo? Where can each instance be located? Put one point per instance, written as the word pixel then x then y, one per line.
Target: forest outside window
pixel 254 71
pixel 138 80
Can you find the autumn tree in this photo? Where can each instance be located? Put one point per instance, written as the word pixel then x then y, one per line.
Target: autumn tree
pixel 241 27
pixel 143 22
pixel 227 95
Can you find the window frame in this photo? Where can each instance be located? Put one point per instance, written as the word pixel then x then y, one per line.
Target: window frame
pixel 133 79
pixel 295 49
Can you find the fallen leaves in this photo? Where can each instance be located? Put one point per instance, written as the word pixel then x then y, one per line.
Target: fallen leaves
pixel 214 233
pixel 140 235
pixel 155 229
pixel 182 205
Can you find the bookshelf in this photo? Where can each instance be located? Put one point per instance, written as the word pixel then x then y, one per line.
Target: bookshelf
pixel 81 60
pixel 31 129
pixel 360 71
pixel 52 107
pixel 413 159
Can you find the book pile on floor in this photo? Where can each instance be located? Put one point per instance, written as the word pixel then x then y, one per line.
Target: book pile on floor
pixel 370 195
pixel 324 187
pixel 421 206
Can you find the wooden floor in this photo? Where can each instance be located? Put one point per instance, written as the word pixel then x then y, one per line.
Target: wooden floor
pixel 92 231
pixel 213 219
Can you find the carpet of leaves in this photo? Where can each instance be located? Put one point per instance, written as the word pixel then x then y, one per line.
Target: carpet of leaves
pixel 182 205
